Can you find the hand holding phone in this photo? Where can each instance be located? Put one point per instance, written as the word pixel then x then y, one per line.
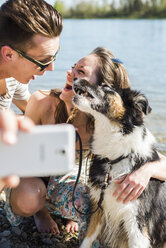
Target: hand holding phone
pixel 46 150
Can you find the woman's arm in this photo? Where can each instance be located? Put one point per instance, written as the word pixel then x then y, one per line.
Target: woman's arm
pixel 21 104
pixel 131 186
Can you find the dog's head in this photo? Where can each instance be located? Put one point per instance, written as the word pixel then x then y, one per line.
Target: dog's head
pixel 123 106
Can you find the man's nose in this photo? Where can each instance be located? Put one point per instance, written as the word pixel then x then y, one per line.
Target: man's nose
pixel 50 67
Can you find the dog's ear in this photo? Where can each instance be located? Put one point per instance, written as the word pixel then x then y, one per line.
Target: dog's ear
pixel 141 102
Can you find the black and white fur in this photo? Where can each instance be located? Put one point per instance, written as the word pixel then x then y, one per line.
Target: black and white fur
pixel 119 131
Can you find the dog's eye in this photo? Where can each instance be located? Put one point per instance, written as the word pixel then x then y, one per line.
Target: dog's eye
pixel 80 71
pixel 106 87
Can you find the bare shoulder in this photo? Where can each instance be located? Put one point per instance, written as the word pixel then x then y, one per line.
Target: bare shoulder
pixel 41 107
pixel 39 96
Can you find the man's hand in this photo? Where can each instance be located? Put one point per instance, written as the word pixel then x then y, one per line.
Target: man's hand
pixel 9 126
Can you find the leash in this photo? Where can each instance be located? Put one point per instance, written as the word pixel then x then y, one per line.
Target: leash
pixel 70 121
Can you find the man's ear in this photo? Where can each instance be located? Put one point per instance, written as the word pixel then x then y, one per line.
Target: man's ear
pixel 7 53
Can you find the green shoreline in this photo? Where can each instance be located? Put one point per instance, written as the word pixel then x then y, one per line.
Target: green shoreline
pixel 131 9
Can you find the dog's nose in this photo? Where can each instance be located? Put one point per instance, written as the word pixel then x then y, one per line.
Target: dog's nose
pixel 74 80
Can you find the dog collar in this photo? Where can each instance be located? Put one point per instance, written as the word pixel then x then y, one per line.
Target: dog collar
pixel 117 160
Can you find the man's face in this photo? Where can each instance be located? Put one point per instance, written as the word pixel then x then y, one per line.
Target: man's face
pixel 43 50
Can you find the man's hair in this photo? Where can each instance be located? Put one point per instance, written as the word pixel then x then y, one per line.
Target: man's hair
pixel 20 20
pixel 108 71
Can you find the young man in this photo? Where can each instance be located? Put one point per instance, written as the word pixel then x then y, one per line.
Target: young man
pixel 29 43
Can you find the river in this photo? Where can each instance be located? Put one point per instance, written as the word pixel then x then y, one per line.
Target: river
pixel 140 44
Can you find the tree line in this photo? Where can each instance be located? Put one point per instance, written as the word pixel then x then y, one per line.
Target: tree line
pixel 105 9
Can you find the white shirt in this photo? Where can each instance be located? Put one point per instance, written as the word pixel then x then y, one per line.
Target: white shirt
pixel 15 90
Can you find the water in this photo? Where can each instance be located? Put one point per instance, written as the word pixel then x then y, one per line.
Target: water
pixel 140 44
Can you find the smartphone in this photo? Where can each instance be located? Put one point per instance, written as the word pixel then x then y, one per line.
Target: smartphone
pixel 47 150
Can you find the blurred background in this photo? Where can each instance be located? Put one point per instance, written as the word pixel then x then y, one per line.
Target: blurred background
pixel 134 31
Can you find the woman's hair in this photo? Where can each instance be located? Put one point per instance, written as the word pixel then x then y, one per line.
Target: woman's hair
pixel 21 19
pixel 60 114
pixel 110 72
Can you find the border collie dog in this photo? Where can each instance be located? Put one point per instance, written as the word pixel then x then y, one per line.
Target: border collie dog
pixel 120 144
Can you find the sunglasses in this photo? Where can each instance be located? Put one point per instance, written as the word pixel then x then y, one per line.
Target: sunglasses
pixel 36 62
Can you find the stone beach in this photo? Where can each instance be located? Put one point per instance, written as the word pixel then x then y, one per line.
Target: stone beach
pixel 26 235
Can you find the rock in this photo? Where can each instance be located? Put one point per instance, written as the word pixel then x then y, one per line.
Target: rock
pixel 3 240
pixel 5 233
pixel 47 241
pixel 57 236
pixel 61 246
pixel 34 228
pixel 35 234
pixel 5 244
pixel 3 219
pixel 16 230
pixel 6 226
pixel 24 235
pixel 54 240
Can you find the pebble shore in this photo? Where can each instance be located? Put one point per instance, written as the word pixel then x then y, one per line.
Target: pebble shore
pixel 27 236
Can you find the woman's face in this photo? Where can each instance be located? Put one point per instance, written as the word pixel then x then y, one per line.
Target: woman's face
pixel 85 68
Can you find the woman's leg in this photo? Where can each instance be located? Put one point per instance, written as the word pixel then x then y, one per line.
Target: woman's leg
pixel 60 190
pixel 44 222
pixel 29 199
pixel 71 226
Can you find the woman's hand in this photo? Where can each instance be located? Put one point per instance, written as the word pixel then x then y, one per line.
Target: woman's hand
pixel 9 126
pixel 131 186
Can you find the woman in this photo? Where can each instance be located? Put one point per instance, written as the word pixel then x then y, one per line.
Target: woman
pixel 29 197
